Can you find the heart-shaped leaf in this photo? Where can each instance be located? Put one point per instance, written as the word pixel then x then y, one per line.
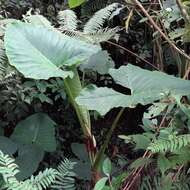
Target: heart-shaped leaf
pixel 38 130
pixel 39 52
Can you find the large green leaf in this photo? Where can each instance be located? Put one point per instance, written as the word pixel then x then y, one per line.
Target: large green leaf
pixel 38 130
pixel 39 52
pixel 146 87
pixel 7 146
pixel 102 99
pixel 100 62
pixel 149 84
pixel 28 160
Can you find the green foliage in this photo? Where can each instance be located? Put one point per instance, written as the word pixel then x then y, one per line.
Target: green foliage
pixel 146 87
pixel 8 170
pixel 41 51
pixel 107 167
pixel 172 144
pixel 101 183
pixel 97 21
pixel 94 30
pixel 82 166
pixel 65 176
pixel 67 20
pixel 62 178
pixel 75 3
pixel 37 130
pixel 43 63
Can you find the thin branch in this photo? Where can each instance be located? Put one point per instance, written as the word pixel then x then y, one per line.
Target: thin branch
pixel 138 170
pixel 132 53
pixel 159 30
pixel 183 11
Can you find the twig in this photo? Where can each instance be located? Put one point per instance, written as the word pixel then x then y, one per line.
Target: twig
pixel 138 170
pixel 177 173
pixel 132 53
pixel 183 11
pixel 159 30
pixel 187 73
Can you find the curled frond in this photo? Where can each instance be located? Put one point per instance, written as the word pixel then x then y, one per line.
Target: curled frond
pixel 97 21
pixel 67 20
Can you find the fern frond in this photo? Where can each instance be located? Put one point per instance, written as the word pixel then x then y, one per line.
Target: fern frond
pixel 67 20
pixel 97 21
pixel 65 177
pixel 101 35
pixel 43 180
pixel 94 38
pixel 3 57
pixel 171 145
pixel 7 167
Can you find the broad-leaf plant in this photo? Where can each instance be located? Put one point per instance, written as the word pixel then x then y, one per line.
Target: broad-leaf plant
pixel 40 51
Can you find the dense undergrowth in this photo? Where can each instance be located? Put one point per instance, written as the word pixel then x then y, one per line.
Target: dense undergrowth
pixel 94 94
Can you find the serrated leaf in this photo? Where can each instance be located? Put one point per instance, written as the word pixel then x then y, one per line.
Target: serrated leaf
pixel 38 130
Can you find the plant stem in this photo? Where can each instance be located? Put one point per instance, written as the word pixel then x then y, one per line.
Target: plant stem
pixel 132 53
pixel 159 30
pixel 101 152
pixel 73 88
pixel 85 129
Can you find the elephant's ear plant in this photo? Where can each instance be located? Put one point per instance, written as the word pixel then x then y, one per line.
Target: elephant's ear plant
pixel 39 52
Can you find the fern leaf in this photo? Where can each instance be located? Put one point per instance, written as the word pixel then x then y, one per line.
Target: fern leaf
pixel 171 145
pixel 65 177
pixel 101 35
pixel 7 167
pixel 94 38
pixel 43 180
pixel 3 57
pixel 97 21
pixel 67 20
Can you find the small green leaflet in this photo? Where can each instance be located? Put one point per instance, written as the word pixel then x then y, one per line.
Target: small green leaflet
pixel 107 166
pixel 75 3
pixel 101 183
